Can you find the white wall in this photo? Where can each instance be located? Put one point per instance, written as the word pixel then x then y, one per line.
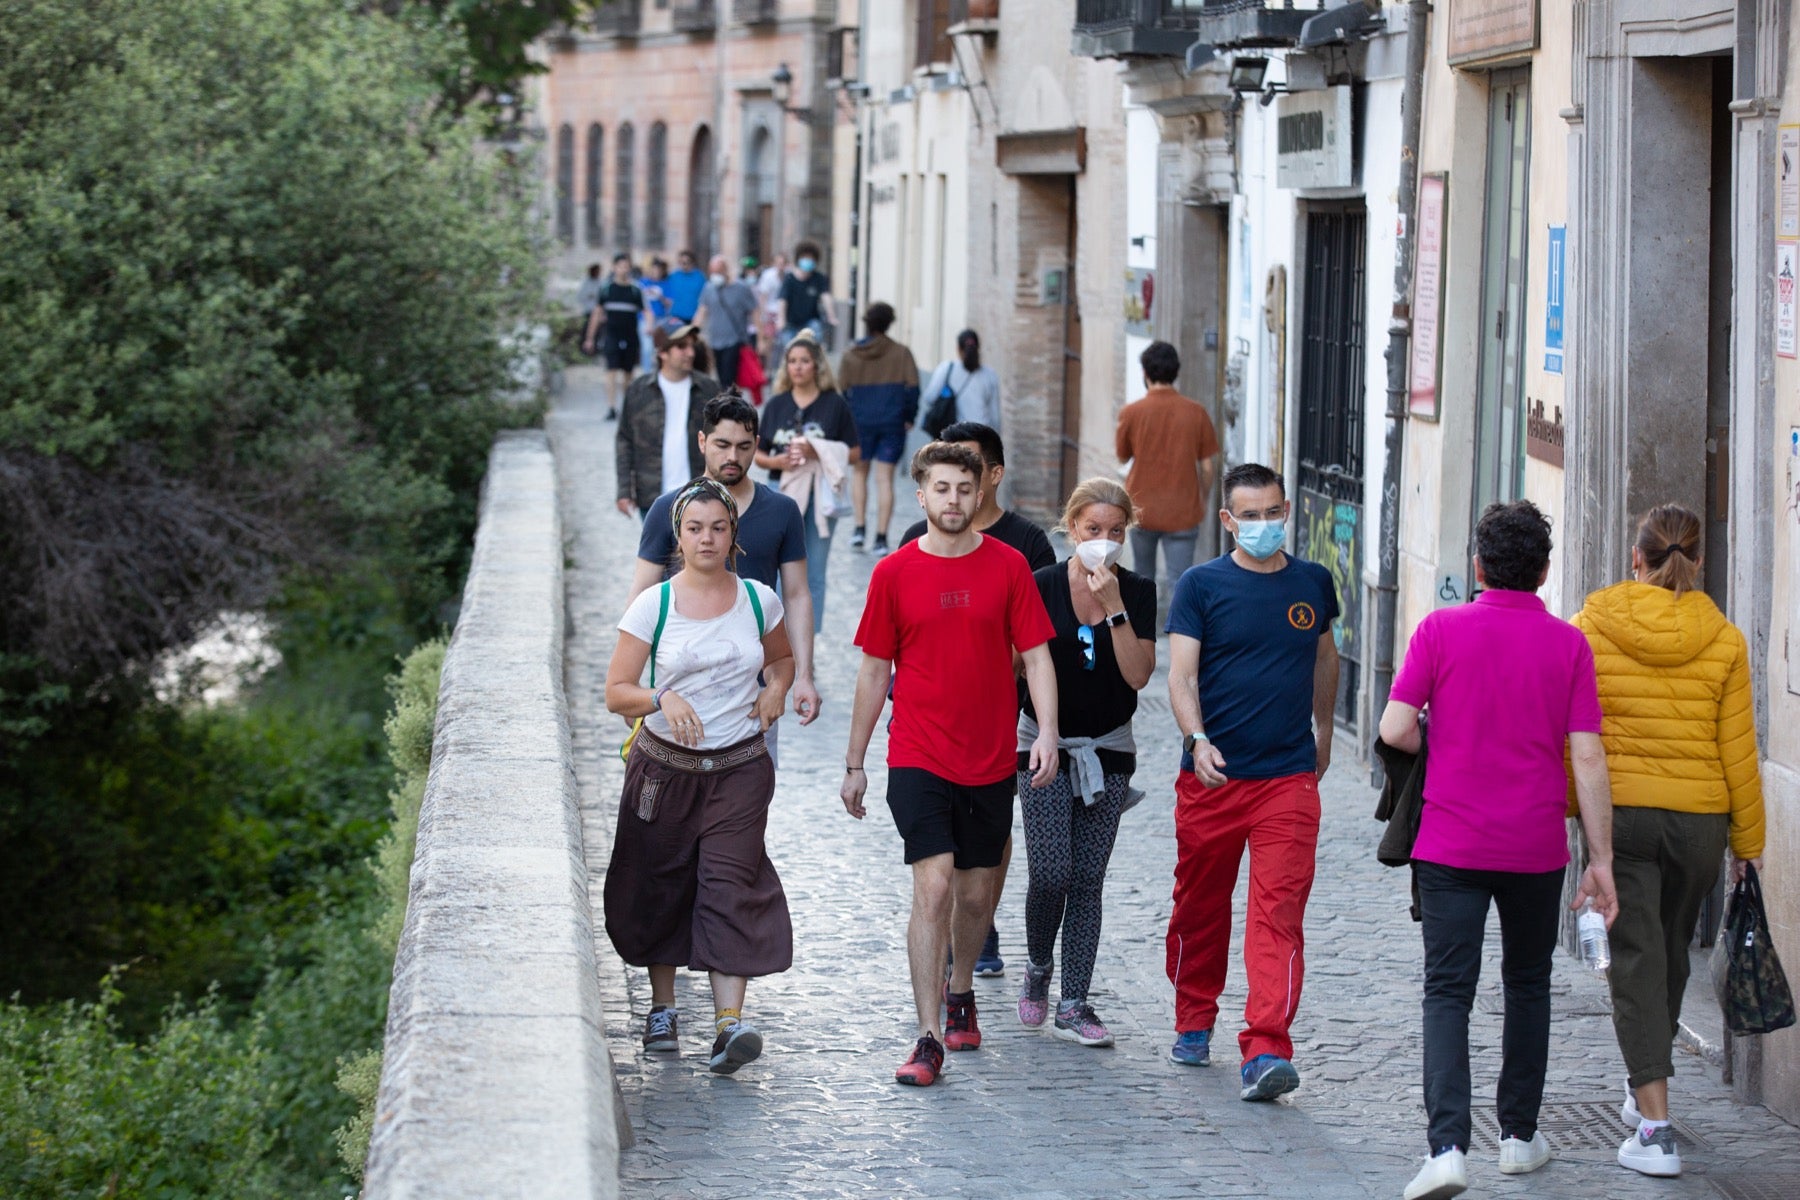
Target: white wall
pixel 1142 137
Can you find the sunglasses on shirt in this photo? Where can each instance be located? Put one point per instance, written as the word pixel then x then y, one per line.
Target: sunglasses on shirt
pixel 1085 635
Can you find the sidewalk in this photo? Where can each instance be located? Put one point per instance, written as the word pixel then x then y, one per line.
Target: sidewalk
pixel 820 1116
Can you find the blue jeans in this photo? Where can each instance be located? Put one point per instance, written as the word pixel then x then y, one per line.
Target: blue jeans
pixel 818 548
pixel 1178 554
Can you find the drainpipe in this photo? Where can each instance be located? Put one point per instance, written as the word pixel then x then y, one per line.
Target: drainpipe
pixel 1387 587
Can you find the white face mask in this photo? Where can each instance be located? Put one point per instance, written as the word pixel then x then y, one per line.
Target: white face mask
pixel 1098 553
pixel 717 279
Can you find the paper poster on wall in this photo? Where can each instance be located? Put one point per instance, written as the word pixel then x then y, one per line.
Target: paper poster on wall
pixel 1553 300
pixel 1787 315
pixel 1140 298
pixel 1787 168
pixel 1428 299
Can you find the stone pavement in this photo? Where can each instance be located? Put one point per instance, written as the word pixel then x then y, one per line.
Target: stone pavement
pixel 1027 1115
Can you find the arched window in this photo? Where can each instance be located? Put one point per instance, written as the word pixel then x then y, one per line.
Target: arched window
pixel 624 164
pixel 565 184
pixel 759 196
pixel 703 197
pixel 656 188
pixel 596 155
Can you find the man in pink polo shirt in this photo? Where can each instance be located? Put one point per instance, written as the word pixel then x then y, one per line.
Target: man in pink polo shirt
pixel 1507 685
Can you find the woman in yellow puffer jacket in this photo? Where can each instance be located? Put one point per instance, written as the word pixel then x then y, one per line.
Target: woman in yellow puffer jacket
pixel 1680 744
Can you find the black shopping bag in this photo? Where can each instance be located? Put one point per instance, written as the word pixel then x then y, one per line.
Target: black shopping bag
pixel 1756 996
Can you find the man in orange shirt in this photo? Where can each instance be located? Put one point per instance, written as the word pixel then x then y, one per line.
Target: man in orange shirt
pixel 1169 441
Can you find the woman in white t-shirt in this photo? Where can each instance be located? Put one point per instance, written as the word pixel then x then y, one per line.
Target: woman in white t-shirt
pixel 690 882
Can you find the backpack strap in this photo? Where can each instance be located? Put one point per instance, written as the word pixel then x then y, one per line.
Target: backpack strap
pixel 662 619
pixel 755 607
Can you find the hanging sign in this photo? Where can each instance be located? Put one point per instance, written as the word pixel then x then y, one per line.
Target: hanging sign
pixel 1312 140
pixel 1428 299
pixel 1553 300
pixel 1489 28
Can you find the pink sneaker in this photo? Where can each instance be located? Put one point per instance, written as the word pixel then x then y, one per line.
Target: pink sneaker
pixel 1034 996
pixel 1080 1024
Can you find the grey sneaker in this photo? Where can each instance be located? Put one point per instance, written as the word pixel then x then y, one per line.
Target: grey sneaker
pixel 1628 1111
pixel 737 1044
pixel 1658 1156
pixel 660 1033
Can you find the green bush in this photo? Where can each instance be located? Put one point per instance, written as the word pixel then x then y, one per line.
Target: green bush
pixel 87 1112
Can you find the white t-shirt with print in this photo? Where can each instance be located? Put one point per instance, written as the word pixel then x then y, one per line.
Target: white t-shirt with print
pixel 712 665
pixel 677 468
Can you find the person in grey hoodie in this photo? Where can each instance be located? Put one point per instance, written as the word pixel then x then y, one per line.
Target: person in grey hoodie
pixel 881 381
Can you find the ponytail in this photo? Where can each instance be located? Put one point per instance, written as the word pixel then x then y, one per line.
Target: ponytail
pixel 1669 539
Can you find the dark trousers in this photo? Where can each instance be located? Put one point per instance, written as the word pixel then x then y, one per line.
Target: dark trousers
pixel 1664 864
pixel 1454 905
pixel 725 364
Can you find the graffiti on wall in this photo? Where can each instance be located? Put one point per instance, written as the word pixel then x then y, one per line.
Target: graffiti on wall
pixel 1330 534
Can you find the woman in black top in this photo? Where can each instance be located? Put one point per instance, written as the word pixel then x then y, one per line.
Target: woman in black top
pixel 806 405
pixel 1104 652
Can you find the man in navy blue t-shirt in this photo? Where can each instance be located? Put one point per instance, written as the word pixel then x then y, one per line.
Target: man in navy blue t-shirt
pixel 769 532
pixel 1253 673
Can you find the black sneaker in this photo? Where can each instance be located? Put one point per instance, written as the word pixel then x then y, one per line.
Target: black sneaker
pixel 612 414
pixel 737 1044
pixel 881 546
pixel 857 540
pixel 660 1032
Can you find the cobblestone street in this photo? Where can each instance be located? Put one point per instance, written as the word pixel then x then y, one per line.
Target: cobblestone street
pixel 1027 1115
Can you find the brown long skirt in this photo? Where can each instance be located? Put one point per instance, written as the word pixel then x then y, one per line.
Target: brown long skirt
pixel 690 880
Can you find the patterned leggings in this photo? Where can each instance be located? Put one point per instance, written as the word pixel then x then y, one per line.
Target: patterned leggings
pixel 1069 844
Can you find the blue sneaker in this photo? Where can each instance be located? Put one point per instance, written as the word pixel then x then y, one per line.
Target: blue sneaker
pixel 989 964
pixel 1192 1048
pixel 1267 1076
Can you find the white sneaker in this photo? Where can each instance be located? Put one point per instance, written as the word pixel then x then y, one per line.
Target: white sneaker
pixel 1628 1111
pixel 1658 1156
pixel 1441 1177
pixel 1519 1157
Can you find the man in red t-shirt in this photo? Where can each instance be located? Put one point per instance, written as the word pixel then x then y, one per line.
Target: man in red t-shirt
pixel 944 616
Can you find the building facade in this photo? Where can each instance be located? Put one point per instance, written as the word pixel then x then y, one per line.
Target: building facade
pixel 991 200
pixel 710 125
pixel 1591 287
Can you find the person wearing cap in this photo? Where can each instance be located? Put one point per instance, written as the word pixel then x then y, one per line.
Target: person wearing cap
pixel 657 447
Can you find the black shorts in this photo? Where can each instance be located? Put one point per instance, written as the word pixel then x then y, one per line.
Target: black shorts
pixel 935 816
pixel 620 347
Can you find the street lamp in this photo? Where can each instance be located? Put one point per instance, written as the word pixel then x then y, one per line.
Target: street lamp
pixel 782 90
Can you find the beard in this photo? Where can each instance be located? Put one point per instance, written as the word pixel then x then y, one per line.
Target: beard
pixel 948 522
pixel 729 473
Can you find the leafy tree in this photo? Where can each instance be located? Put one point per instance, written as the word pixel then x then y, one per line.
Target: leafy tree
pixel 256 292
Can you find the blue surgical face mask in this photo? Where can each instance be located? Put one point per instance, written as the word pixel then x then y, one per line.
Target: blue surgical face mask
pixel 807 264
pixel 1260 539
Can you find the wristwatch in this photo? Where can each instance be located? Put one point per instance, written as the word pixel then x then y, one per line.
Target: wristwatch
pixel 1116 620
pixel 1189 741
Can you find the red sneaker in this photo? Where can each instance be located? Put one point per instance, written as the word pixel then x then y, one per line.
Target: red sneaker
pixel 926 1063
pixel 960 1030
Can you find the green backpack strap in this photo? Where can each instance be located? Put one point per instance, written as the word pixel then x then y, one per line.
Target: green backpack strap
pixel 755 607
pixel 662 619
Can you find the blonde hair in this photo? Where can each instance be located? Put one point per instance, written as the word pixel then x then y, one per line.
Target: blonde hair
pixel 1669 539
pixel 822 376
pixel 1089 492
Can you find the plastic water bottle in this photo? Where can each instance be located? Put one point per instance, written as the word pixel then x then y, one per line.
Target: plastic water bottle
pixel 1596 951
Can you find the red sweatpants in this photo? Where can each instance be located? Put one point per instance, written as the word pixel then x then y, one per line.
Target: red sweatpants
pixel 1279 820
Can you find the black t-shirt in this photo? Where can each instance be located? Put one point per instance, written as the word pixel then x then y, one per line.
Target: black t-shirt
pixel 782 419
pixel 1014 531
pixel 802 296
pixel 1092 702
pixel 623 304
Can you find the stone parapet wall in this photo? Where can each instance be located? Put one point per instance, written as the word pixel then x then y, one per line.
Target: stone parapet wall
pixel 496 1079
